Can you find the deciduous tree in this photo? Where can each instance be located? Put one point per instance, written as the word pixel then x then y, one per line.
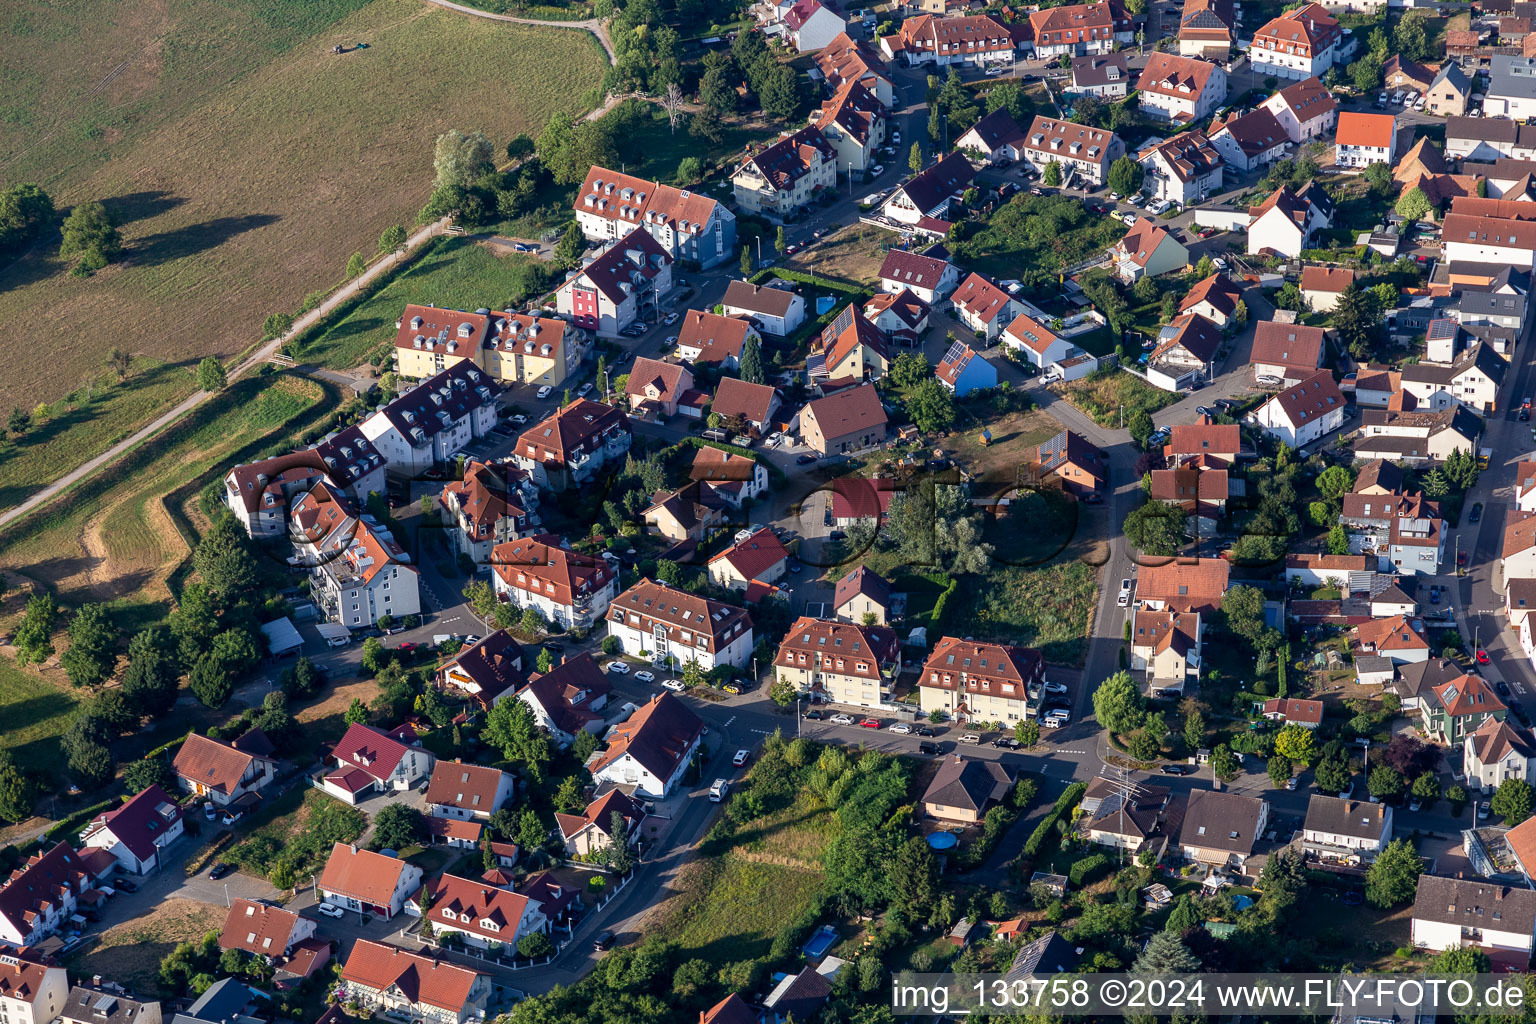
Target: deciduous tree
pixel 1394 876
pixel 1512 801
pixel 90 237
pixel 92 637
pixel 1118 703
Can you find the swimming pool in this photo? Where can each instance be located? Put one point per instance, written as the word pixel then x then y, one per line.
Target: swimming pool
pixel 819 943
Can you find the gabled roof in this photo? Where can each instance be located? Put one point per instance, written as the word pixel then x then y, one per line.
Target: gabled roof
pixel 493 913
pixel 22 976
pixel 853 110
pixel 656 605
pixel 658 736
pixel 1168 74
pixel 931 186
pixel 1309 25
pixel 839 648
pixel 981 298
pixel 1294 346
pixel 1311 399
pixel 849 60
pixel 568 690
pixel 1305 712
pixel 1519 532
pixel 754 555
pixel 615 270
pixel 1395 634
pixel 848 412
pixel 1359 819
pixel 1187 156
pixel 862 582
pixel 258 928
pixel 913 269
pixel 1204 439
pixel 906 307
pixel 1031 334
pixel 599 815
pixel 1000 670
pixel 469 787
pixel 1194 334
pixel 494 665
pixel 1475 903
pixel 539 563
pixel 40 885
pixel 785 161
pixel 1218 290
pixel 554 439
pixel 1055 137
pixel 967 783
pixel 1196 586
pixel 1254 132
pixel 1221 820
pixel 362 874
pixel 731 1010
pixel 1095 69
pixel 1144 238
pixel 420 979
pixel 630 200
pixel 146 817
pixel 760 299
pixel 369 750
pixel 847 333
pixel 1066 448
pixel 486 495
pixel 1495 740
pixel 717 337
pixel 669 379
pixel 857 497
pixel 440 401
pixel 213 763
pixel 996 130
pixel 1357 129
pixel 735 397
pixel 955 360
pixel 1326 279
pixel 1307 99
pixel 1469 695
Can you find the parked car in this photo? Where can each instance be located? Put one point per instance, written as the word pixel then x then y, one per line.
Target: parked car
pixel 602 941
pixel 970 737
pixel 330 910
pixel 815 716
pixel 232 816
pixel 1502 687
pixel 719 790
pixel 619 668
pixel 675 685
pixel 804 460
pixel 544 392
pixel 1007 743
pixel 734 689
pixel 219 870
pixel 928 748
pixel 671 319
pixel 645 676
pixel 926 730
pixel 741 758
pixel 1177 769
pixel 125 885
pixel 901 727
pixel 1484 809
pixel 842 719
pixel 870 723
pixel 1476 514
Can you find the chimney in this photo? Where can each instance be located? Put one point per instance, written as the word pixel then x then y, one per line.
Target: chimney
pixel 1498 893
pixel 354 847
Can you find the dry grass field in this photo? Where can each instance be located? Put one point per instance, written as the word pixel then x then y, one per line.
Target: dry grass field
pixel 130 953
pixel 243 160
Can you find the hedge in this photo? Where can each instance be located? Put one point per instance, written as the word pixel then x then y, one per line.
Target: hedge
pixel 1087 869
pixel 815 281
pixel 1042 832
pixel 936 617
pixel 1070 796
pixel 72 824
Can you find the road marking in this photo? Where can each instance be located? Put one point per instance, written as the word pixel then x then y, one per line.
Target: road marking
pixel 727 722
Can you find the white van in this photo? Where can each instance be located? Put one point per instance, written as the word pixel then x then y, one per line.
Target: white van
pixel 1056 719
pixel 718 791
pixel 339 641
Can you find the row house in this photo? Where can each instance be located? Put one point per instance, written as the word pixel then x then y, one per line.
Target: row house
pixel 571 445
pixel 846 59
pixel 569 589
pixel 1489 139
pixel 619 286
pixel 853 121
pixel 1079 149
pixel 1492 231
pixel 259 493
pixel 983 682
pixel 1180 89
pixel 672 627
pixel 847 663
pixel 688 225
pixel 941 41
pixel 433 421
pixel 41 895
pixel 1404 531
pixel 1300 43
pixel 492 504
pixel 782 177
pixel 1078 29
pixel 1184 169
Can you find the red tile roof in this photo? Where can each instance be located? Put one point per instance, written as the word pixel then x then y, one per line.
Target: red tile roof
pixel 755 555
pixel 1197 586
pixel 658 736
pixel 997 670
pixel 371 751
pixel 1394 634
pixel 22 977
pixel 1326 279
pixel 1144 238
pixel 1469 695
pixel 717 337
pixel 258 928
pixel 840 648
pixel 1218 290
pixel 1356 129
pixel 539 564
pixel 1313 398
pixel 1168 74
pixel 862 581
pixel 565 432
pixel 1305 712
pixel 470 787
pixel 213 763
pixel 1294 346
pixel 981 298
pixel 599 815
pixel 420 979
pixel 1030 333
pixel 657 604
pixel 362 874
pixel 847 411
pixel 857 497
pixel 636 201
pixel 454 899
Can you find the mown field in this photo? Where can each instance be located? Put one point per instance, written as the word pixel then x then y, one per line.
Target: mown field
pixel 35 712
pixel 243 160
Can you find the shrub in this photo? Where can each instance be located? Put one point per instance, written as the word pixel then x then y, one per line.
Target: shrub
pixel 1087 869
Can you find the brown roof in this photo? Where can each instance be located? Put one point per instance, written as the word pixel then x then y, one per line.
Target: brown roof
pixel 469 787
pixel 258 928
pixel 717 337
pixel 1218 290
pixel 420 979
pixel 613 270
pixel 1344 817
pixel 1469 695
pixel 1314 397
pixel 862 581
pixel 669 379
pixel 755 555
pixel 843 648
pixel 981 298
pixel 1254 132
pixel 968 783
pixel 212 763
pixel 1522 843
pixel 1338 563
pixel 1394 634
pixel 1307 99
pixel 478 902
pixel 845 60
pixel 907 307
pixel 1160 630
pixel 361 874
pixel 848 412
pixel 657 604
pixel 1293 346
pixel 785 161
pixel 568 690
pixel 1308 29
pixel 1144 238
pixel 999 670
pixel 539 563
pixel 658 736
pixel 1219 820
pixel 1519 532
pixel 1168 74
pixel 734 397
pixel 1197 586
pixel 599 815
pixel 494 664
pixel 1091 143
pixel 758 298
pixel 1194 334
pixel 568 431
pixel 1077 23
pixel 1326 279
pixel 731 1010
pixel 913 269
pixel 486 495
pixel 853 109
pixel 22 977
pixel 1495 740
pixel 1309 712
pixel 636 201
pixel 1475 903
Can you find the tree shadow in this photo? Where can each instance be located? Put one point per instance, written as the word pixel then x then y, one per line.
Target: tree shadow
pixel 153 250
pixel 126 209
pixel 56 425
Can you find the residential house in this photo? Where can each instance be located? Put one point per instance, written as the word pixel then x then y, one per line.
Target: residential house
pixel 782 177
pixel 1286 222
pixel 1201 493
pixel 42 895
pixel 469 792
pixel 1068 459
pixel 930 278
pixel 369 760
pixel 33 990
pixel 1291 352
pixel 988 682
pixel 514 348
pixel 1196 586
pixel 731 1010
pixel 390 980
pixel 689 225
pixel 1452 913
pixel 137 833
pixel 1300 43
pixel 1322 286
pixel 1398 72
pixel 1306 713
pixel 565 701
pixel 1186 349
pixel 481 915
pixel 1079 149
pixel 492 503
pixel 850 349
pixel 1501 233
pixel 1454 710
pixel 222 773
pixel 484 670
pixel 1519 550
pixel 1379 477
pixel 846 662
pixel 969 39
pixel 673 627
pixel 962 371
pixel 1077 29
pixel 1519 600
pixel 107 1003
pixel 1304 412
pixel 1472 380
pixel 1184 169
pixel 1496 752
pixel 901 317
pixel 800 995
pixel 259 493
pixel 281 938
pixel 651 749
pixel 359 573
pixel 1039 344
pixel 1489 138
pixel 1248 141
pixel 1214 298
pixel 1511 89
pixel 434 420
pixel 1305 109
pixel 753 404
pixel 1342 830
pixel 1449 92
pixel 622 284
pixel 1148 250
pixel 1416 437
pixel 775 311
pixel 1221 827
pixel 1184 90
pixel 846 59
pixel 656 387
pixel 566 587
pixel 368 882
pixel 1049 956
pixel 1319 570
pixel 811 24
pixel 1103 76
pixel 926 196
pixel 996 138
pixel 853 121
pixel 1166 646
pixel 689 513
pixel 1508 309
pixel 709 339
pixel 734 479
pixel 759 558
pixel 850 420
pixel 1207 28
pixel 1399 638
pixel 863 596
pixel 569 446
pixel 963 788
pixel 1365 139
pixel 594 829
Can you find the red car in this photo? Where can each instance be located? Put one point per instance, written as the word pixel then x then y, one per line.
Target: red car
pixel 1461 560
pixel 1482 657
pixel 408 646
pixel 870 723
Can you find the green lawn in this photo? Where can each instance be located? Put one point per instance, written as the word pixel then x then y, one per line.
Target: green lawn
pixel 1035 236
pixel 1046 607
pixel 732 908
pixel 86 423
pixel 454 272
pixel 1108 393
pixel 35 713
